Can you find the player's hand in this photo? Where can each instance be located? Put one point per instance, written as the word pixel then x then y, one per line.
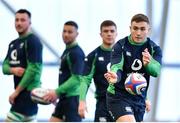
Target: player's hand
pixel 111 77
pixel 12 97
pixel 51 96
pixel 82 108
pixel 146 57
pixel 148 105
pixel 17 71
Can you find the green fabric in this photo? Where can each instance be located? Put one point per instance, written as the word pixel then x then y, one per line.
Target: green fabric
pixel 25 36
pixel 153 68
pixel 105 49
pixel 31 77
pixel 71 45
pixel 116 67
pixel 111 89
pixel 70 87
pixel 85 82
pixel 6 67
pixel 134 43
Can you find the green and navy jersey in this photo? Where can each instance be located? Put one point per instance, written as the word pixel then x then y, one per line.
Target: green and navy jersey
pixel 26 52
pixel 127 58
pixel 96 64
pixel 71 70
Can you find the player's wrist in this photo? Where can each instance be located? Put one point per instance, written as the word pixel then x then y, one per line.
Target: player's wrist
pixel 12 70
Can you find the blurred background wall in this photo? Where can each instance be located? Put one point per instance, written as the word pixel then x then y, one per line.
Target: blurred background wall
pixel 48 17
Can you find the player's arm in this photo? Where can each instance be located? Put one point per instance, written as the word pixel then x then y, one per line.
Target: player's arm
pixel 6 67
pixel 88 72
pixel 34 64
pixel 117 61
pixel 148 105
pixel 76 73
pixel 153 63
pixel 7 70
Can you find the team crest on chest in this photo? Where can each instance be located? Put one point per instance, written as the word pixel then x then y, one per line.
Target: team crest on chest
pixel 101 58
pixel 128 53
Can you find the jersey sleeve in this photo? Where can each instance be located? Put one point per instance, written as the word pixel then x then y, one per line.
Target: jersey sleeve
pixel 117 59
pixel 76 65
pixel 89 70
pixel 69 85
pixel 154 67
pixel 34 61
pixel 6 66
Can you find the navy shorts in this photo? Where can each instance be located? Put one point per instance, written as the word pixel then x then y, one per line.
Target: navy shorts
pixel 24 105
pixel 101 113
pixel 67 109
pixel 119 105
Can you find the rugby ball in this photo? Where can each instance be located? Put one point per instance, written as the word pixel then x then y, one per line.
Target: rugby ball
pixel 135 84
pixel 37 95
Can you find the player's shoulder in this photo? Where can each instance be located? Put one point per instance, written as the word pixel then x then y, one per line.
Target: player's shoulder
pixel 120 43
pixel 76 51
pixel 151 43
pixel 94 52
pixel 33 39
pixel 14 41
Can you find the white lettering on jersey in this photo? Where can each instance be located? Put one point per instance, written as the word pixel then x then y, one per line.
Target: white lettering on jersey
pixel 14 57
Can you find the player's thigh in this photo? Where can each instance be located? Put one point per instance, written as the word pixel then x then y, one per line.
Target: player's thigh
pixel 101 113
pixel 71 112
pixel 139 116
pixel 119 107
pixel 126 118
pixel 55 119
pixel 59 110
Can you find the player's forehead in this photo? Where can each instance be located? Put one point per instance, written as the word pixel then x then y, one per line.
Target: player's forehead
pixel 69 27
pixel 108 28
pixel 140 24
pixel 21 15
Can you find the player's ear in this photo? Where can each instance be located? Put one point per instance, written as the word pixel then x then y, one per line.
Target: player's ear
pixel 100 34
pixel 77 33
pixel 29 22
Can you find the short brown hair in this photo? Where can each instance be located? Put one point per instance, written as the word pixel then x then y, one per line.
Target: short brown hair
pixel 71 23
pixel 24 11
pixel 107 23
pixel 140 18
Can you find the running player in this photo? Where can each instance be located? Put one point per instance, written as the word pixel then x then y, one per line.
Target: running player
pixel 134 53
pixel 24 62
pixel 70 72
pixel 96 64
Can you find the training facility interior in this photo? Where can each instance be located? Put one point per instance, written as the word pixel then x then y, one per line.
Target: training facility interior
pixel 48 17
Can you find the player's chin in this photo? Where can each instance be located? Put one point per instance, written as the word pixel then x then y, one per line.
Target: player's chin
pixel 109 42
pixel 20 31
